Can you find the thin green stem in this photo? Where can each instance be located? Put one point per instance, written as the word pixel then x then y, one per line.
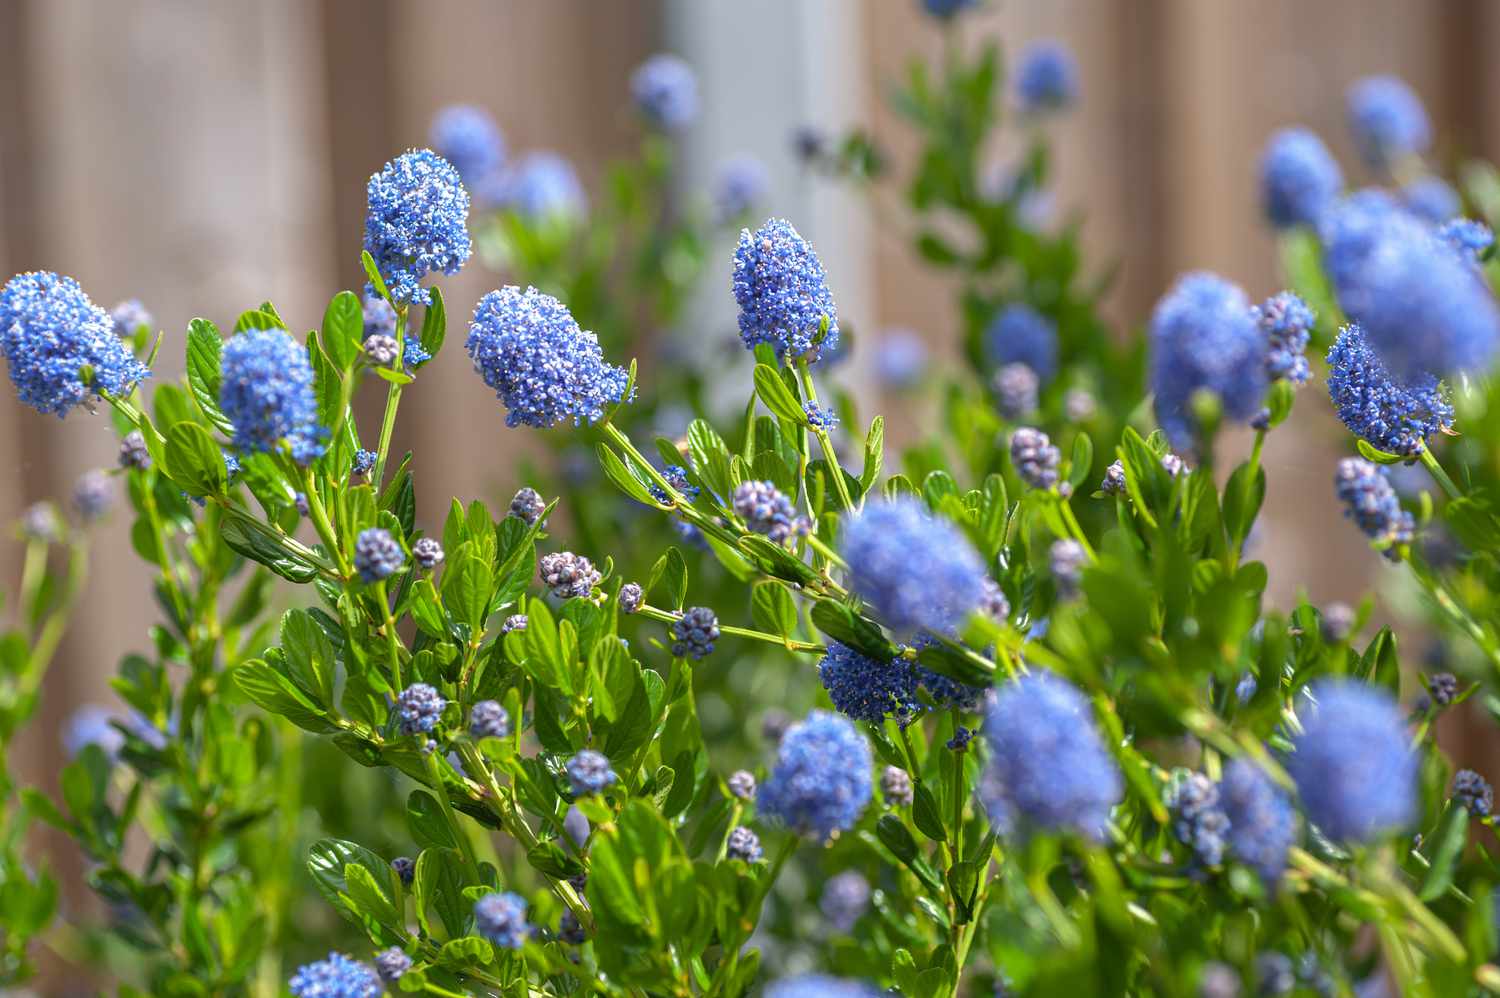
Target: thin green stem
pixel 1074 528
pixel 823 549
pixel 668 617
pixel 319 516
pixel 1439 475
pixel 392 641
pixel 459 832
pixel 1457 612
pixel 811 393
pixel 392 402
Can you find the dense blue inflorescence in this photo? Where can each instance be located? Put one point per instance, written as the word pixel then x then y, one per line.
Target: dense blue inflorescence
pixel 1391 416
pixel 568 575
pixel 364 461
pixel 268 395
pixel 488 719
pixel 665 89
pixel 744 845
pixel 845 897
pixel 677 477
pixel 589 773
pixel 742 184
pixel 1423 305
pixel 694 633
pixel 501 918
pixel 917 570
pixel 1262 824
pixel 1369 500
pixel 1469 237
pixel 1067 559
pixel 1049 770
pixel 783 293
pixel 1287 323
pixel 54 338
pixel 93 494
pixel 336 977
pixel 821 985
pixel 392 964
pixel 1431 199
pixel 820 783
pixel 542 188
pixel 1299 178
pixel 1473 792
pixel 129 317
pixel 377 555
pixel 1034 457
pixel 527 505
pixel 1046 77
pixel 419 708
pixel 1353 762
pixel 417 223
pixel 766 510
pixel 866 688
pixel 427 552
pixel 631 595
pixel 1016 389
pixel 1020 334
pixel 467 137
pixel 1204 338
pixel 542 366
pixel 1198 818
pixel 1387 120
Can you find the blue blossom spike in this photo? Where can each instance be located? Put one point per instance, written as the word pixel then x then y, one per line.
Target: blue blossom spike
pixel 665 89
pixel 677 477
pixel 744 845
pixel 1204 338
pixel 1049 770
pixel 783 293
pixel 527 505
pixel 60 347
pixel 1353 763
pixel 380 319
pixel 1431 199
pixel 487 719
pixel 417 223
pixel 1299 178
pixel 1391 416
pixel 631 595
pixel 1262 824
pixel 900 359
pixel 543 367
pixel 419 708
pixel 845 897
pixel 1020 334
pixel 1388 120
pixel 1067 559
pixel 267 394
pixel 543 188
pixel 1369 500
pixel 589 773
pixel 129 317
pixel 694 633
pixel 917 571
pixel 1034 457
pixel 568 575
pixel 467 137
pixel 821 985
pixel 336 977
pixel 392 964
pixel 767 511
pixel 377 555
pixel 821 782
pixel 1422 304
pixel 821 417
pixel 1198 817
pixel 501 918
pixel 741 185
pixel 1469 237
pixel 867 689
pixel 1287 324
pixel 1046 77
pixel 1473 792
pixel 364 461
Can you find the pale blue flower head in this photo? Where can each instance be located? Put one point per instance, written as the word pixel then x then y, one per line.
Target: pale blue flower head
pixel 545 369
pixel 821 782
pixel 918 571
pixel 1353 762
pixel 1204 338
pixel 1431 199
pixel 1396 417
pixel 1019 334
pixel 1262 824
pixel 821 985
pixel 741 185
pixel 1388 120
pixel 1299 178
pixel 417 223
pixel 268 395
pixel 783 293
pixel 1049 769
pixel 665 89
pixel 501 918
pixel 61 348
pixel 1369 500
pixel 467 137
pixel 1046 77
pixel 336 977
pixel 900 359
pixel 542 187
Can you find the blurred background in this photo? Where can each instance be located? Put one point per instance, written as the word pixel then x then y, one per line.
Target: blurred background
pixel 202 156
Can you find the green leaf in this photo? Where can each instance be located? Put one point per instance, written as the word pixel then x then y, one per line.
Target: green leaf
pixel 272 691
pixel 466 588
pixel 924 812
pixel 615 471
pixel 438 886
pixel 429 828
pixel 773 608
pixel 874 454
pixel 1082 461
pixel 776 396
pixel 204 347
pixel 258 319
pixel 1370 453
pixel 343 329
pixel 251 543
pixel 193 461
pixel 1447 848
pixel 846 627
pixel 373 273
pixel 327 860
pixel 309 655
pixel 434 324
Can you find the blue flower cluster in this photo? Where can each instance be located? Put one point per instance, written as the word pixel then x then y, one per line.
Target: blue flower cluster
pixel 694 633
pixel 364 461
pixel 1469 237
pixel 392 964
pixel 93 494
pixel 1423 305
pixel 1046 77
pixel 542 188
pixel 665 90
pixel 377 555
pixel 743 845
pixel 767 511
pixel 1473 792
pixel 1299 178
pixel 1198 819
pixel 741 185
pixel 677 477
pixel 900 359
pixel 1365 489
pixel 821 781
pixel 783 293
pixel 845 897
pixel 866 688
pixel 568 575
pixel 267 394
pixel 1016 391
pixel 60 347
pixel 468 137
pixel 1287 323
pixel 820 417
pixel 1204 338
pixel 419 708
pixel 129 318
pixel 1020 334
pixel 1067 559
pixel 336 977
pixel 501 918
pixel 487 719
pixel 417 223
pixel 1034 457
pixel 1391 416
pixel 1262 824
pixel 918 571
pixel 1431 199
pixel 543 367
pixel 821 985
pixel 1353 762
pixel 527 505
pixel 1049 770
pixel 589 773
pixel 427 552
pixel 1387 120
